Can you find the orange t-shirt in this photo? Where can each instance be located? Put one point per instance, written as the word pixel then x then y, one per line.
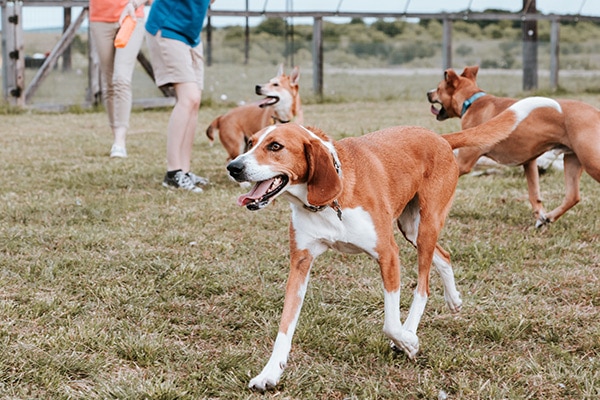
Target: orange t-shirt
pixel 110 10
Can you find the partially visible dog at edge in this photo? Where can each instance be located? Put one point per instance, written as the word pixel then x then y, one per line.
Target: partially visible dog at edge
pixel 575 131
pixel 280 105
pixel 347 195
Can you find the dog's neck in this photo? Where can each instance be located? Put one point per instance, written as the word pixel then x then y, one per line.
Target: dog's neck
pixel 470 101
pixel 335 205
pixel 285 110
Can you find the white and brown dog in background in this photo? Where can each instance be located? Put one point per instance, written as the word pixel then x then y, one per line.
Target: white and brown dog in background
pixel 280 105
pixel 575 131
pixel 347 195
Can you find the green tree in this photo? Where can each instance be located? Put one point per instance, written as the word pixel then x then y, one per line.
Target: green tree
pixel 272 26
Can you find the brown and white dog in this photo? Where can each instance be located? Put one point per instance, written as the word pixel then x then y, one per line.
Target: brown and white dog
pixel 576 131
pixel 280 105
pixel 347 195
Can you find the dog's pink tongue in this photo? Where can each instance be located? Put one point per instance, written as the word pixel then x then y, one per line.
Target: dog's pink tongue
pixel 258 191
pixel 434 110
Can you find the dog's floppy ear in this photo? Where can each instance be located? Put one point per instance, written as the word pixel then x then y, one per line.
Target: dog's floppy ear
pixel 323 182
pixel 470 72
pixel 450 77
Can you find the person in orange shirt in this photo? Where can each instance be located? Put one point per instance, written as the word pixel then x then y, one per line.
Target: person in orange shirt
pixel 116 64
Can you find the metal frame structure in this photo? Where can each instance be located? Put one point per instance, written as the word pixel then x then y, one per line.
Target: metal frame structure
pixel 16 93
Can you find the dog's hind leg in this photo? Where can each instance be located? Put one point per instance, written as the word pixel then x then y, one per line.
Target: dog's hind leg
pixel 405 336
pixel 573 171
pixel 441 261
pixel 408 223
pixel 401 337
pixel 533 188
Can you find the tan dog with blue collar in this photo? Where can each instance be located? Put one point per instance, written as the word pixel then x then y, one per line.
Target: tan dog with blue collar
pixel 576 132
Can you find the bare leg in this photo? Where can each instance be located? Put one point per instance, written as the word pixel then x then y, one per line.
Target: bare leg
pixel 182 126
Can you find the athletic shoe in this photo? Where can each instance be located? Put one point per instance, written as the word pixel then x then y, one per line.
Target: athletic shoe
pixel 181 181
pixel 197 180
pixel 118 152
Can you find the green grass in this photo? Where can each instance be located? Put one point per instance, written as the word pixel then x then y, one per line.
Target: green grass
pixel 114 287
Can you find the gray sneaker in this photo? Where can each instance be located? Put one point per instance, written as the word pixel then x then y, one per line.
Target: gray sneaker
pixel 197 180
pixel 181 181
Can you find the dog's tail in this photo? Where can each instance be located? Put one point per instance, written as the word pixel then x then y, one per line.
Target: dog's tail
pixel 211 128
pixel 486 135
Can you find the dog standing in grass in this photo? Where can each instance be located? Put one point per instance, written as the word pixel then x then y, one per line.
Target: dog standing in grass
pixel 575 131
pixel 347 195
pixel 280 105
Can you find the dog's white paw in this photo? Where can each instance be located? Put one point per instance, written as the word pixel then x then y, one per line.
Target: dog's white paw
pixel 263 382
pixel 269 376
pixel 453 301
pixel 407 342
pixel 541 221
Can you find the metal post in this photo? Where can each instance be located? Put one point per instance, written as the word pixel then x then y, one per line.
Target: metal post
pixel 208 50
pixel 247 38
pixel 447 44
pixel 12 53
pixel 318 57
pixel 530 38
pixel 554 53
pixel 66 56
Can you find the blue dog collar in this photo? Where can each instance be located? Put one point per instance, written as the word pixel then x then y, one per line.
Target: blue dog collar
pixel 470 101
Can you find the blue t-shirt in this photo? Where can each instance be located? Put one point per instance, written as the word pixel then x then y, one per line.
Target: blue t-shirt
pixel 178 19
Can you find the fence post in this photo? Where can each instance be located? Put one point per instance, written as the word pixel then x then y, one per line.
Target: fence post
pixel 447 45
pixel 13 72
pixel 318 57
pixel 554 53
pixel 530 38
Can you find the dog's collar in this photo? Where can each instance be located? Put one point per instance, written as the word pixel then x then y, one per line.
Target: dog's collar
pixel 470 101
pixel 335 204
pixel 275 120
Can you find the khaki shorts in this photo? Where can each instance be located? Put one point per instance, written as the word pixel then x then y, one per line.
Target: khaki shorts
pixel 174 61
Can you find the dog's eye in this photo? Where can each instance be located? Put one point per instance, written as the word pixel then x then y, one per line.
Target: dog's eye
pixel 274 146
pixel 250 144
pixel 276 84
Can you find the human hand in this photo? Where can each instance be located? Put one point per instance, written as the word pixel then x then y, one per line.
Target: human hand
pixel 129 10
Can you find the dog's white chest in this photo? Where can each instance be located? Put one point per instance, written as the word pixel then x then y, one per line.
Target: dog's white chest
pixel 354 233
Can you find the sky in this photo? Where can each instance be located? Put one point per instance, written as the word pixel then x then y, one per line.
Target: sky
pixel 51 17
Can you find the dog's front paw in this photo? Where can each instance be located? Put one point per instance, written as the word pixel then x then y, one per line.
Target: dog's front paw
pixel 408 342
pixel 453 301
pixel 541 221
pixel 263 382
pixel 268 378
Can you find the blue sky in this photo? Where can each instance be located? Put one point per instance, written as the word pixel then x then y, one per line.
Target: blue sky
pixel 45 17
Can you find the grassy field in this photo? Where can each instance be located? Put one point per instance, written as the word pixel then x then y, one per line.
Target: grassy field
pixel 113 287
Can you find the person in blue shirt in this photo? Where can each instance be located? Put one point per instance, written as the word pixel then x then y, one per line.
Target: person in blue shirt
pixel 173 37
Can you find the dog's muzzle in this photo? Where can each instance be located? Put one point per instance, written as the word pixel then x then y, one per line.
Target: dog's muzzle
pixel 262 193
pixel 268 100
pixel 440 113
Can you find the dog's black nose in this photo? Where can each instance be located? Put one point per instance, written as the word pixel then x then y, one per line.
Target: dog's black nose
pixel 236 170
pixel 258 89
